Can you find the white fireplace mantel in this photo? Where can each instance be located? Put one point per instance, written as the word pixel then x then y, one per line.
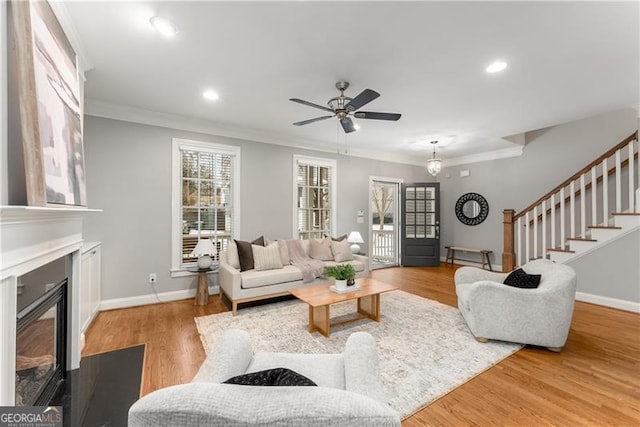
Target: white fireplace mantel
pixel 31 237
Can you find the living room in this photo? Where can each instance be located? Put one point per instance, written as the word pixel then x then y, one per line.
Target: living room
pixel 129 177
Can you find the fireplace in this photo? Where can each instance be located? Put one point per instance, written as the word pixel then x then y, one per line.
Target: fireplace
pixel 32 238
pixel 41 329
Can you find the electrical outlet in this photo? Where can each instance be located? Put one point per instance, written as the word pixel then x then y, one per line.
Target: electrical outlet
pixel 152 278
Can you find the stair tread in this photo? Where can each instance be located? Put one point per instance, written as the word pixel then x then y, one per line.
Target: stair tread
pixel 604 227
pixel 561 250
pixel 581 239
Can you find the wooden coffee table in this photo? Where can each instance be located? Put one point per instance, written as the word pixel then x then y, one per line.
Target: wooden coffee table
pixel 321 297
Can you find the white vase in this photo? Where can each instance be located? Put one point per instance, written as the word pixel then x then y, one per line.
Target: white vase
pixel 341 284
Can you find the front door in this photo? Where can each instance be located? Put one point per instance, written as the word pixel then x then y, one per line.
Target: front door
pixel 421 224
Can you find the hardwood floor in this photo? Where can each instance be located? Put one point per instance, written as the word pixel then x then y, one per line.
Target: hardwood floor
pixel 594 381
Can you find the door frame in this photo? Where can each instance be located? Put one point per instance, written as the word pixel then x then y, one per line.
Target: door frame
pixel 398 216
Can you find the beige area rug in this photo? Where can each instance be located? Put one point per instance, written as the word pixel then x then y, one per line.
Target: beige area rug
pixel 425 347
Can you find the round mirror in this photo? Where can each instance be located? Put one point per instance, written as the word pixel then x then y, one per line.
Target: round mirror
pixel 472 209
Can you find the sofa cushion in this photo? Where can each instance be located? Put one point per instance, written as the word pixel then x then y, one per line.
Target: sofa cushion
pixel 272 377
pixel 245 252
pixel 256 279
pixel 284 252
pixel 520 279
pixel 232 255
pixel 341 251
pixel 320 249
pixel 266 257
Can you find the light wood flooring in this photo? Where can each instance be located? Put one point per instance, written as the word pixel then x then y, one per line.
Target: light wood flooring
pixel 594 381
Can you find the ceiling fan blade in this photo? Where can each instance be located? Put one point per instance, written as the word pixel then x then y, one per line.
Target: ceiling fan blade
pixel 377 116
pixel 317 119
pixel 347 125
pixel 365 97
pixel 310 104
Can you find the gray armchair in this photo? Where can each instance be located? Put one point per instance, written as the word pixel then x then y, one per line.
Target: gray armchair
pixel 540 316
pixel 348 392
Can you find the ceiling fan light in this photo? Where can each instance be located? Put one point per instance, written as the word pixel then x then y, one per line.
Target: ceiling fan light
pixel 163 26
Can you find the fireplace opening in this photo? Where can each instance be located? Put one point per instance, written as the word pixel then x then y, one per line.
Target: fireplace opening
pixel 41 344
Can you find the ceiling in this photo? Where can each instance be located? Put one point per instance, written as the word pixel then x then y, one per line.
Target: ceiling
pixel 566 61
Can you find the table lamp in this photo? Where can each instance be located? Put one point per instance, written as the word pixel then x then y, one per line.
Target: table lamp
pixel 203 249
pixel 355 238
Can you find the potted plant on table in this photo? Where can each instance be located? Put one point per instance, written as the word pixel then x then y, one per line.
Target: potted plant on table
pixel 344 275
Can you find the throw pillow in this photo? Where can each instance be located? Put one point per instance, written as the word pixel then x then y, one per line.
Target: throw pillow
pixel 232 254
pixel 245 252
pixel 266 257
pixel 320 249
pixel 272 377
pixel 341 251
pixel 520 279
pixel 284 252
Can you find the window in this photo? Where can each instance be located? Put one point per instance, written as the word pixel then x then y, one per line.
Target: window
pixel 315 200
pixel 205 197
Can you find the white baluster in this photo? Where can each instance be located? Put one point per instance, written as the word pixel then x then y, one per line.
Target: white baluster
pixel 631 178
pixel 583 207
pixel 562 219
pixel 526 237
pixel 544 229
pixel 535 232
pixel 519 241
pixel 605 193
pixel 553 221
pixel 618 183
pixel 572 209
pixel 594 199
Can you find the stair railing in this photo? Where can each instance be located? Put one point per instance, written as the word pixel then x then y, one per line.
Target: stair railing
pixel 585 199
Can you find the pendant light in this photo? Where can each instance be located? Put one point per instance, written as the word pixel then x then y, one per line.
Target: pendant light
pixel 434 165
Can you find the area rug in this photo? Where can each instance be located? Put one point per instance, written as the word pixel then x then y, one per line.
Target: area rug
pixel 425 347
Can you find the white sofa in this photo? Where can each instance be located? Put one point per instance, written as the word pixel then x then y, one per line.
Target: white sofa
pixel 251 285
pixel 348 394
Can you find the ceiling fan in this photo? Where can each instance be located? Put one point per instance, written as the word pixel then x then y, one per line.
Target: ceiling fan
pixel 344 107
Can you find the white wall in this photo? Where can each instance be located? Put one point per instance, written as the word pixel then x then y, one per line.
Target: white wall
pixel 129 177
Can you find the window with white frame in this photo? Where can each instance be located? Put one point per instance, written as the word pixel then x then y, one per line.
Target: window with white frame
pixel 315 197
pixel 206 186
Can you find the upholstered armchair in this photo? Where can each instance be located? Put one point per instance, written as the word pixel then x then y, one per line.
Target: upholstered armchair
pixel 348 392
pixel 540 316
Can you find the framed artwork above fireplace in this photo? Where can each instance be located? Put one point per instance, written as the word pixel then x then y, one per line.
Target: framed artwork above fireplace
pixel 50 107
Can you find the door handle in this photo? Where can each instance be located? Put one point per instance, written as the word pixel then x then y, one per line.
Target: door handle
pixel 437 232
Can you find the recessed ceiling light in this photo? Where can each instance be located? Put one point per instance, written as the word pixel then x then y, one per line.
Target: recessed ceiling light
pixel 496 67
pixel 164 27
pixel 356 126
pixel 210 95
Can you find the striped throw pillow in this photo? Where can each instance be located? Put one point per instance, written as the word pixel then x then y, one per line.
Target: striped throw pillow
pixel 267 257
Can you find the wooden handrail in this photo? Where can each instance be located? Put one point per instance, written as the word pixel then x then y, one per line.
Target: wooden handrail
pixel 588 186
pixel 609 153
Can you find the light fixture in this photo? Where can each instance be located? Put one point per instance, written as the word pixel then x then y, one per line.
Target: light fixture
pixel 163 26
pixel 203 249
pixel 496 67
pixel 210 95
pixel 434 165
pixel 356 126
pixel 355 238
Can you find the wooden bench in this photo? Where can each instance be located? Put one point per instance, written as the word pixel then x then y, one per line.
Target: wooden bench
pixel 484 255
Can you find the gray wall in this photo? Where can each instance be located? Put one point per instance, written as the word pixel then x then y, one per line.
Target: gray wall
pixel 129 177
pixel 550 156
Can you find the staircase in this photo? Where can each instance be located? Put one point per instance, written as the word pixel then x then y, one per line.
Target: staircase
pixel 596 205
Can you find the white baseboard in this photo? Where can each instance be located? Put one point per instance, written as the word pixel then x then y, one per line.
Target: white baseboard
pixel 609 302
pixel 111 304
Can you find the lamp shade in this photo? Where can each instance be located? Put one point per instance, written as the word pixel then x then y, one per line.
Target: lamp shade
pixel 434 166
pixel 355 237
pixel 204 247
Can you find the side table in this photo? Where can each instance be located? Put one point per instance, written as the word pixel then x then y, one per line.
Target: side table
pixel 202 290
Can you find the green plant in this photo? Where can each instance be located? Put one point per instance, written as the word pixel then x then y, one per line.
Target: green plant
pixel 340 271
